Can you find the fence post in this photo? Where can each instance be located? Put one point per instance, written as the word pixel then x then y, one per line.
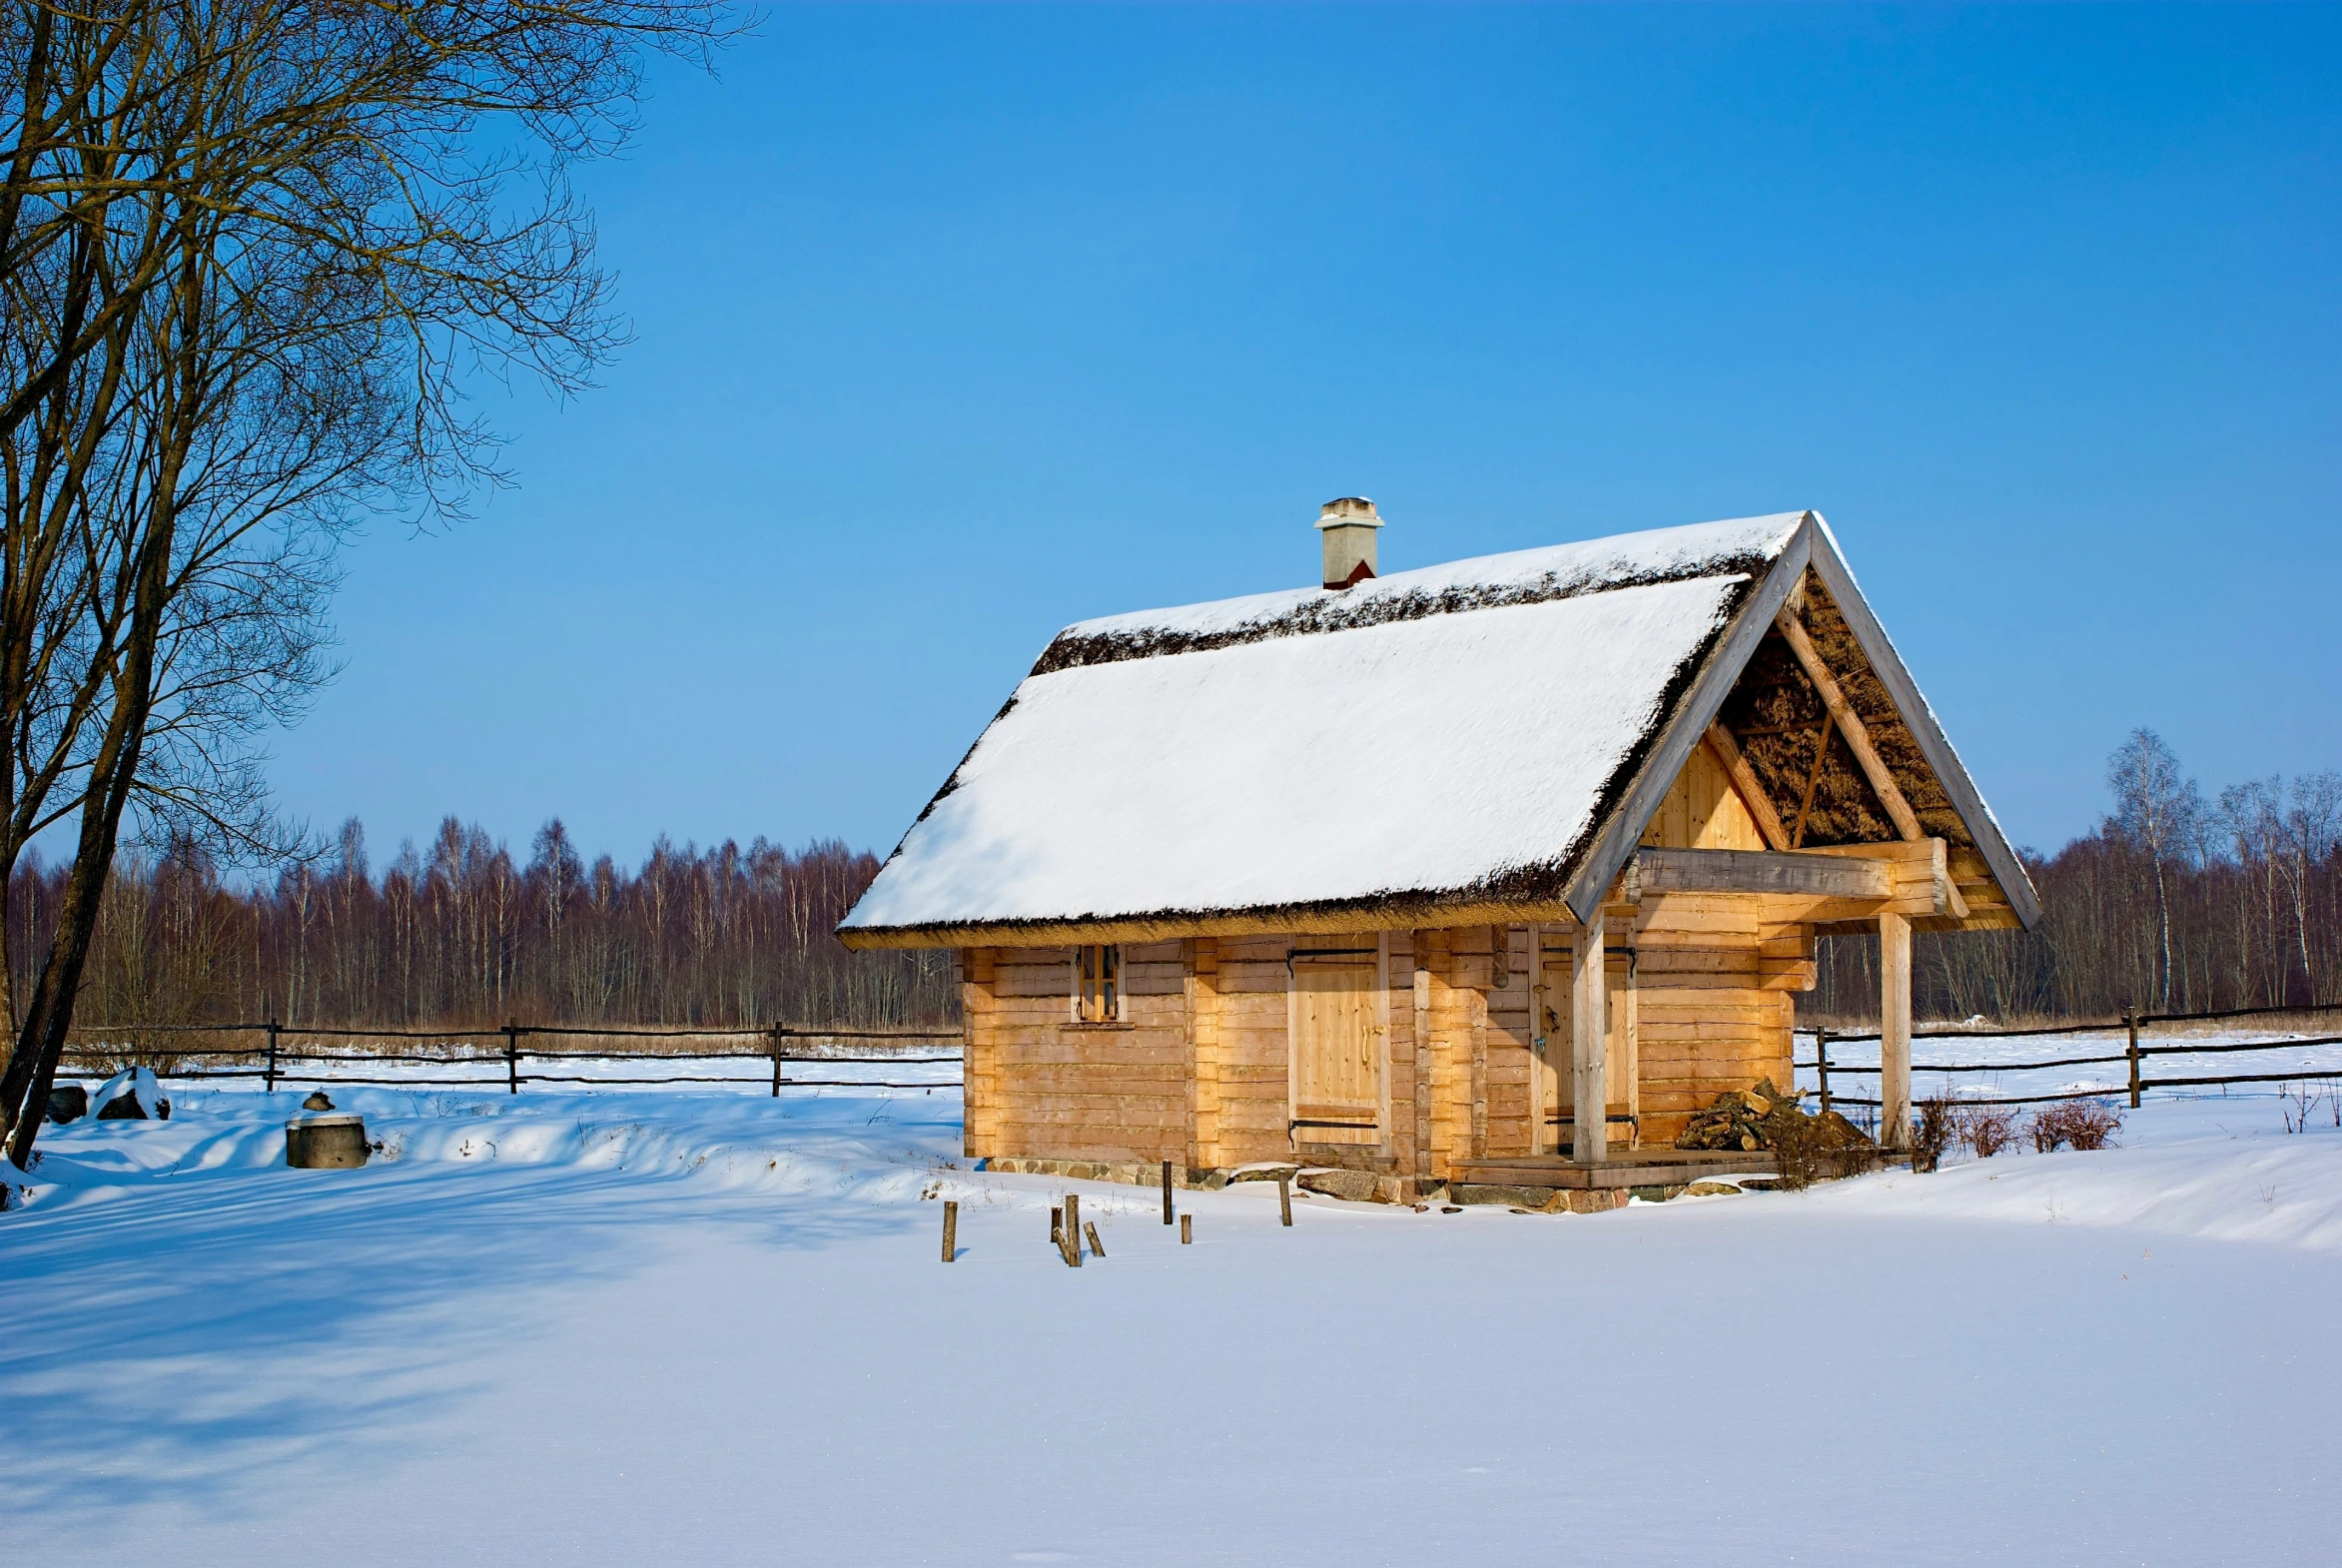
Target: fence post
pixel 776 1034
pixel 271 1070
pixel 511 1058
pixel 2130 1023
pixel 1822 1054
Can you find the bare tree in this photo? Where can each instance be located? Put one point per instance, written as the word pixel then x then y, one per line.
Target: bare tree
pixel 247 252
pixel 2252 820
pixel 2312 826
pixel 2157 809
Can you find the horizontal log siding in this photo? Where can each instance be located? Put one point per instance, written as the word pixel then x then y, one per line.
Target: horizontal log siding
pixel 980 1068
pixel 1450 1023
pixel 1399 1150
pixel 1507 1058
pixel 1711 1017
pixel 1202 985
pixel 1056 1089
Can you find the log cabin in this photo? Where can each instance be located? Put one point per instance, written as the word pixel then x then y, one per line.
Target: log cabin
pixel 1492 871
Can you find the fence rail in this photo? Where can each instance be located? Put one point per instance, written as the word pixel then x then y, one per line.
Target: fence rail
pixel 2133 1056
pixel 274 1055
pixel 2097 1027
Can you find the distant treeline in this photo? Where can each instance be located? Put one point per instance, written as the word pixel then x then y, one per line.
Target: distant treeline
pixel 2174 903
pixel 458 934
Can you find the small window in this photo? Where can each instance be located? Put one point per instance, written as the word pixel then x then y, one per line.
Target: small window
pixel 1098 982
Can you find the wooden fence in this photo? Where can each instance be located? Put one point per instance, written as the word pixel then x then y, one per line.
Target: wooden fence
pixel 278 1050
pixel 2134 1056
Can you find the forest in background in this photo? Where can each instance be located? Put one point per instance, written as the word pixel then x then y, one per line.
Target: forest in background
pixel 459 935
pixel 2176 903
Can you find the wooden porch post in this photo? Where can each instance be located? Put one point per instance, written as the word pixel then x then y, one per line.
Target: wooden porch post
pixel 1589 1080
pixel 1893 1030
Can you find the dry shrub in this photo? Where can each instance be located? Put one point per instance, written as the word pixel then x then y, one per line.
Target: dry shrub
pixel 2295 1105
pixel 1987 1129
pixel 1853 1160
pixel 1797 1153
pixel 1930 1133
pixel 2076 1123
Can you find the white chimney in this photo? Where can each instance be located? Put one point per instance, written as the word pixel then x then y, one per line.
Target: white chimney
pixel 1346 529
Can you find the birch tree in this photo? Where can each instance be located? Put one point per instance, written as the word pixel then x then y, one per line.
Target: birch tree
pixel 2156 808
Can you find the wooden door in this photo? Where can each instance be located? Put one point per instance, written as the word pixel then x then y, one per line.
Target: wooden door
pixel 1550 1049
pixel 1337 1030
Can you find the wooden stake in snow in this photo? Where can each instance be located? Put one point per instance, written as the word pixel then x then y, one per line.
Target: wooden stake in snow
pixel 1056 1228
pixel 2130 1023
pixel 1089 1230
pixel 1166 1191
pixel 951 1231
pixel 1187 1230
pixel 1285 1198
pixel 1073 1241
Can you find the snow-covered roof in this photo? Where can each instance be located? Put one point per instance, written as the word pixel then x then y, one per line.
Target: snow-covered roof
pixel 1455 733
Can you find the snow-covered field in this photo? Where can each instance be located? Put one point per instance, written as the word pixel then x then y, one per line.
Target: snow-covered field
pixel 634 1325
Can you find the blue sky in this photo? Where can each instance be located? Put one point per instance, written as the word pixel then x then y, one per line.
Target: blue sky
pixel 955 325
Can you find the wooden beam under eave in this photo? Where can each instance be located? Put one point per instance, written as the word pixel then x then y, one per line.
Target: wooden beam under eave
pixel 1743 779
pixel 1850 724
pixel 1763 871
pixel 1923 884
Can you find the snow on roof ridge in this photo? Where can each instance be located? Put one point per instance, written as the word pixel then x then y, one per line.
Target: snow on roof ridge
pixel 1551 572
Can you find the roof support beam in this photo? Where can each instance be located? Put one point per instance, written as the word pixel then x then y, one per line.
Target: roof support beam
pixel 1757 871
pixel 1850 724
pixel 1743 779
pixel 1805 805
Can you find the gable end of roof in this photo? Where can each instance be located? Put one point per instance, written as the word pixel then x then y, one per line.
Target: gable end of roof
pixel 1933 743
pixel 1639 788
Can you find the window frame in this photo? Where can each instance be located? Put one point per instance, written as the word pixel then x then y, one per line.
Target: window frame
pixel 1097 992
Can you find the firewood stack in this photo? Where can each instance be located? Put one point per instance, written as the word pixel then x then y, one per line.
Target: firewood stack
pixel 1746 1120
